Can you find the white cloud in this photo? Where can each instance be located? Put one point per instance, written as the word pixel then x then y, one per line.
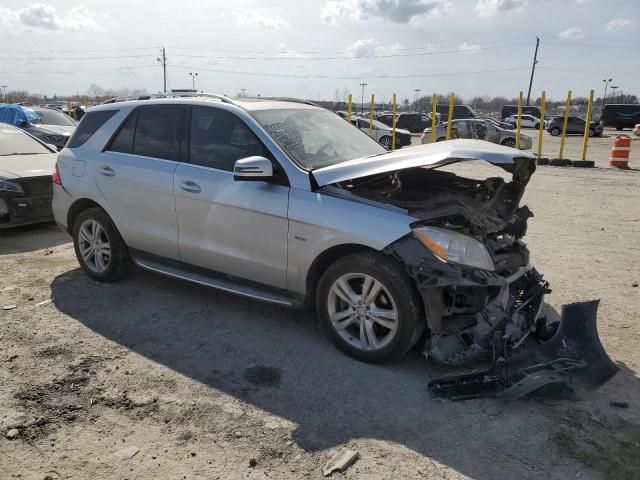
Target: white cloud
pixel 469 47
pixel 286 52
pixel 43 17
pixel 368 47
pixel 260 20
pixel 488 8
pixel 618 24
pixel 398 11
pixel 573 33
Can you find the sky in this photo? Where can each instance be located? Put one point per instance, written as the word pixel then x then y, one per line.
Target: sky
pixel 315 48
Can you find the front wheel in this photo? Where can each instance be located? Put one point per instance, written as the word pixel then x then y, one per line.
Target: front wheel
pixel 369 307
pixel 386 142
pixel 509 142
pixel 99 247
pixel 555 132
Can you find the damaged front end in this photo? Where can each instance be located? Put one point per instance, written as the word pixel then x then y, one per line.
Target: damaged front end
pixel 483 299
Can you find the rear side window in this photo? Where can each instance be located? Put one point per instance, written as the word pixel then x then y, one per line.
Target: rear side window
pixel 90 123
pixel 157 132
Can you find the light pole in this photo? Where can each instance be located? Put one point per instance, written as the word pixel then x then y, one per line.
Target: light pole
pixel 4 92
pixel 606 84
pixel 362 98
pixel 417 90
pixel 193 80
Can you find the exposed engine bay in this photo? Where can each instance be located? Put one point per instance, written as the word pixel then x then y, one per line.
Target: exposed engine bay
pixel 473 314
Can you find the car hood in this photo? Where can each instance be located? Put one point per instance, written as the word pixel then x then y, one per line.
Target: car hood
pixel 18 166
pixel 433 154
pixel 54 129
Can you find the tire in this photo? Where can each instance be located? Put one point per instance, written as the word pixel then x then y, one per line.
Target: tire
pixel 537 126
pixel 441 139
pixel 509 142
pixel 116 263
pixel 555 132
pixel 386 141
pixel 619 127
pixel 396 296
pixel 592 132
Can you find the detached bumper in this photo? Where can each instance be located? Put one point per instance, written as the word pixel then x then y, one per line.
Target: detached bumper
pixel 574 357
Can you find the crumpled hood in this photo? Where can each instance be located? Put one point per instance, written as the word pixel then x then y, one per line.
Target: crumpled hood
pixel 434 154
pixel 19 166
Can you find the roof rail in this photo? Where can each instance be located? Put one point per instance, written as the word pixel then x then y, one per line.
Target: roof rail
pixel 173 94
pixel 287 99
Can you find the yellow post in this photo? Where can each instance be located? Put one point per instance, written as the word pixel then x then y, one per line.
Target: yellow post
pixel 393 123
pixel 587 126
pixel 567 106
pixel 69 108
pixel 349 108
pixel 434 116
pixel 519 120
pixel 371 116
pixel 451 100
pixel 541 129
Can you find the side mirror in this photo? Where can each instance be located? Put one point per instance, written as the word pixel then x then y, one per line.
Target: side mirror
pixel 254 168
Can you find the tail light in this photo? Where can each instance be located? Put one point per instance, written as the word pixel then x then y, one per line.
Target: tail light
pixel 55 176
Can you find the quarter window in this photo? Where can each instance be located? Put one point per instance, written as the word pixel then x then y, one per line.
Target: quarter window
pixel 89 124
pixel 219 138
pixel 123 141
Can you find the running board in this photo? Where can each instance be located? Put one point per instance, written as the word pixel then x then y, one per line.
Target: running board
pixel 224 284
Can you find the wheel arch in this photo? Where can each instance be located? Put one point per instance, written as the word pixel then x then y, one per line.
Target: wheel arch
pixel 77 208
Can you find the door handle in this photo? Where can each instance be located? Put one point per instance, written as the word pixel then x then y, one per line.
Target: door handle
pixel 107 171
pixel 190 186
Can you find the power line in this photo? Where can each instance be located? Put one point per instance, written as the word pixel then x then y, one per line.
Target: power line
pixel 76 58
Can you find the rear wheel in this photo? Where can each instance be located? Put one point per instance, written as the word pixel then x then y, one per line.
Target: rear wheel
pixel 386 141
pixel 619 127
pixel 592 132
pixel 537 126
pixel 99 247
pixel 369 307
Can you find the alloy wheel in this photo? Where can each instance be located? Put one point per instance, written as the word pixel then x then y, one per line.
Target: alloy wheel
pixel 94 246
pixel 362 311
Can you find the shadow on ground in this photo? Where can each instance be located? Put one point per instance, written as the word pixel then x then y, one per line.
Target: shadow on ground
pixel 277 360
pixel 32 237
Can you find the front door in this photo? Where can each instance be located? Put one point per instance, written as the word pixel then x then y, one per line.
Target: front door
pixel 236 227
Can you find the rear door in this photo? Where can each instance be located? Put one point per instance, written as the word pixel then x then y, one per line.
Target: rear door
pixel 135 177
pixel 236 227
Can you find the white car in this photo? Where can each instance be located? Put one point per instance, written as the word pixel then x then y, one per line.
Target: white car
pixel 382 133
pixel 526 121
pixel 26 190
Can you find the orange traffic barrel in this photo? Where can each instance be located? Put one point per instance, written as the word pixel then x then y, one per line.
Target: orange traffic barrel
pixel 620 151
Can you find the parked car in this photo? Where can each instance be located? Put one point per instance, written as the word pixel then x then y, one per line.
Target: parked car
pixel 26 190
pixel 526 121
pixel 574 125
pixel 508 110
pixel 382 133
pixel 480 129
pixel 47 124
pixel 459 111
pixel 411 121
pixel 278 201
pixel 620 116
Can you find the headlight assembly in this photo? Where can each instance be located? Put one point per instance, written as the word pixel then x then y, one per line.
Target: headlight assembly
pixel 455 247
pixel 7 186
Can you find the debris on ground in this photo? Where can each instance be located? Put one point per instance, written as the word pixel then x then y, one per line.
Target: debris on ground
pixel 44 302
pixel 340 461
pixel 617 404
pixel 13 433
pixel 127 452
pixel 9 307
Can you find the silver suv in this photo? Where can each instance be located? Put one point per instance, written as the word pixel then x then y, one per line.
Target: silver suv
pixel 287 203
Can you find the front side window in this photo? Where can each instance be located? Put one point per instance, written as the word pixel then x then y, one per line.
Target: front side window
pixel 218 139
pixel 316 138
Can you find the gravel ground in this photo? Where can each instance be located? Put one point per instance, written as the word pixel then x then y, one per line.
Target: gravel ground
pixel 156 378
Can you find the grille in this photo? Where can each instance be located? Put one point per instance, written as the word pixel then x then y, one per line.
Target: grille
pixel 36 186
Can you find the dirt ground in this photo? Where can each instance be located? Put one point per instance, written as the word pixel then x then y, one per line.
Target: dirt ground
pixel 156 378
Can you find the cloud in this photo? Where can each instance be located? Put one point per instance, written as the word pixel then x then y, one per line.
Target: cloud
pixel 488 8
pixel 398 11
pixel 286 52
pixel 43 17
pixel 573 33
pixel 469 47
pixel 368 47
pixel 260 20
pixel 618 24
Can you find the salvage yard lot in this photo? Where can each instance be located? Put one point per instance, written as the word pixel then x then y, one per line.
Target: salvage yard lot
pixel 156 378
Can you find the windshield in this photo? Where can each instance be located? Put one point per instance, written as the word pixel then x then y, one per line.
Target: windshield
pixel 15 142
pixel 316 138
pixel 51 117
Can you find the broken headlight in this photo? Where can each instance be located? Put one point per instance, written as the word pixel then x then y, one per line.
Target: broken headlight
pixel 7 186
pixel 455 247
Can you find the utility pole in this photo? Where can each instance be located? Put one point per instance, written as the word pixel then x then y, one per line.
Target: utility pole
pixel 533 69
pixel 362 98
pixel 417 90
pixel 163 61
pixel 606 84
pixel 613 95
